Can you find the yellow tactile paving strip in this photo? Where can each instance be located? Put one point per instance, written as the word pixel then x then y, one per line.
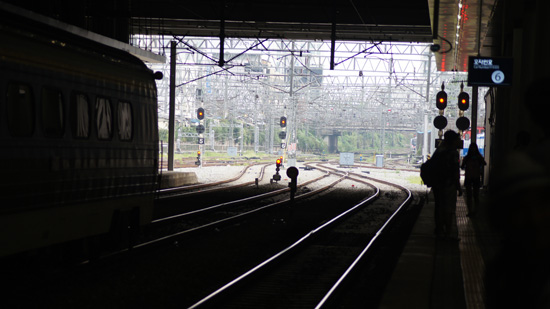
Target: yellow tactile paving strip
pixel 473 266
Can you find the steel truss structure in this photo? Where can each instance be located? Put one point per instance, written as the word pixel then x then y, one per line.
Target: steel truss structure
pixel 374 85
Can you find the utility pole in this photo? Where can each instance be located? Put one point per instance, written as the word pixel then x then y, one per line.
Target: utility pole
pixel 172 112
pixel 475 93
pixel 291 133
pixel 426 110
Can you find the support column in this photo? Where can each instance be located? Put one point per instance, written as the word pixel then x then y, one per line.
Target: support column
pixel 332 143
pixel 172 112
pixel 425 147
pixel 475 96
pixel 332 45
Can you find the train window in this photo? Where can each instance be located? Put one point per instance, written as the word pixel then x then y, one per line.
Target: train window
pixel 125 121
pixel 52 112
pixel 147 123
pixel 80 115
pixel 20 110
pixel 104 119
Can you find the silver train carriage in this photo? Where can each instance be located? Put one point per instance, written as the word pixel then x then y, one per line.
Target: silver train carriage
pixel 78 137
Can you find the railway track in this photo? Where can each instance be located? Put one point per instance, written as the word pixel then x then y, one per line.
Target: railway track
pixel 191 217
pixel 183 269
pixel 218 215
pixel 310 272
pixel 214 186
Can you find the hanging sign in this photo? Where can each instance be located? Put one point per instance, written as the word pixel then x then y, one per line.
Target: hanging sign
pixel 488 71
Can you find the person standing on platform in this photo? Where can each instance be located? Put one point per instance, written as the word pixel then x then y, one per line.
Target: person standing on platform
pixel 472 165
pixel 445 190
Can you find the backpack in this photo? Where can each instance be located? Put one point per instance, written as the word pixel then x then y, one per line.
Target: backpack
pixel 428 172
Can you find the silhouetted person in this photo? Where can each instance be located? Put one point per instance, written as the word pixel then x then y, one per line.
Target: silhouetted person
pixel 519 275
pixel 445 190
pixel 472 164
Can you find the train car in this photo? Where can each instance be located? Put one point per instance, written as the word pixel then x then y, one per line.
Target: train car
pixel 419 142
pixel 413 145
pixel 78 137
pixel 468 133
pixel 480 141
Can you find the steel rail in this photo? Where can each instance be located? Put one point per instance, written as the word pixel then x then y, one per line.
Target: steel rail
pixel 350 269
pixel 203 185
pixel 235 202
pixel 292 246
pixel 244 184
pixel 228 219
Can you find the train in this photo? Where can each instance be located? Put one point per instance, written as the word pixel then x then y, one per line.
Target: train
pixel 417 143
pixel 480 141
pixel 79 147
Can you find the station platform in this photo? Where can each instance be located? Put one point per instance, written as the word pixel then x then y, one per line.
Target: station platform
pixel 171 179
pixel 434 273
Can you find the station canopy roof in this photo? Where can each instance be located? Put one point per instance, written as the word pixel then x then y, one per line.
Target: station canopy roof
pixel 348 20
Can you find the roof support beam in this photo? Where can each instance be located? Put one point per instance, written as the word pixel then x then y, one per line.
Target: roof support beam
pixel 436 20
pixel 221 61
pixel 332 45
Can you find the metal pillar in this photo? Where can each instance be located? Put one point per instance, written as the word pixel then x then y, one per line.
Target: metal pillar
pixel 426 109
pixel 172 111
pixel 332 143
pixel 474 114
pixel 475 94
pixel 241 138
pixel 256 138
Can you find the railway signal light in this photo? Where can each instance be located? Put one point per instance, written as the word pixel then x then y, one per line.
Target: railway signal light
pixel 463 123
pixel 200 129
pixel 463 101
pixel 441 100
pixel 198 162
pixel 440 122
pixel 278 163
pixel 292 172
pixel 282 121
pixel 200 113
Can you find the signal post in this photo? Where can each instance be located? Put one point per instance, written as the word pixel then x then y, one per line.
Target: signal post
pixel 440 122
pixel 279 161
pixel 463 123
pixel 200 141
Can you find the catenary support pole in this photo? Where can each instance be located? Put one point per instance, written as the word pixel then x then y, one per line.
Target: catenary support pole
pixel 475 94
pixel 172 112
pixel 426 110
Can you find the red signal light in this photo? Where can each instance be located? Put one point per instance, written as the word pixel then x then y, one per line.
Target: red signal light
pixel 463 101
pixel 200 113
pixel 441 102
pixel 282 122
